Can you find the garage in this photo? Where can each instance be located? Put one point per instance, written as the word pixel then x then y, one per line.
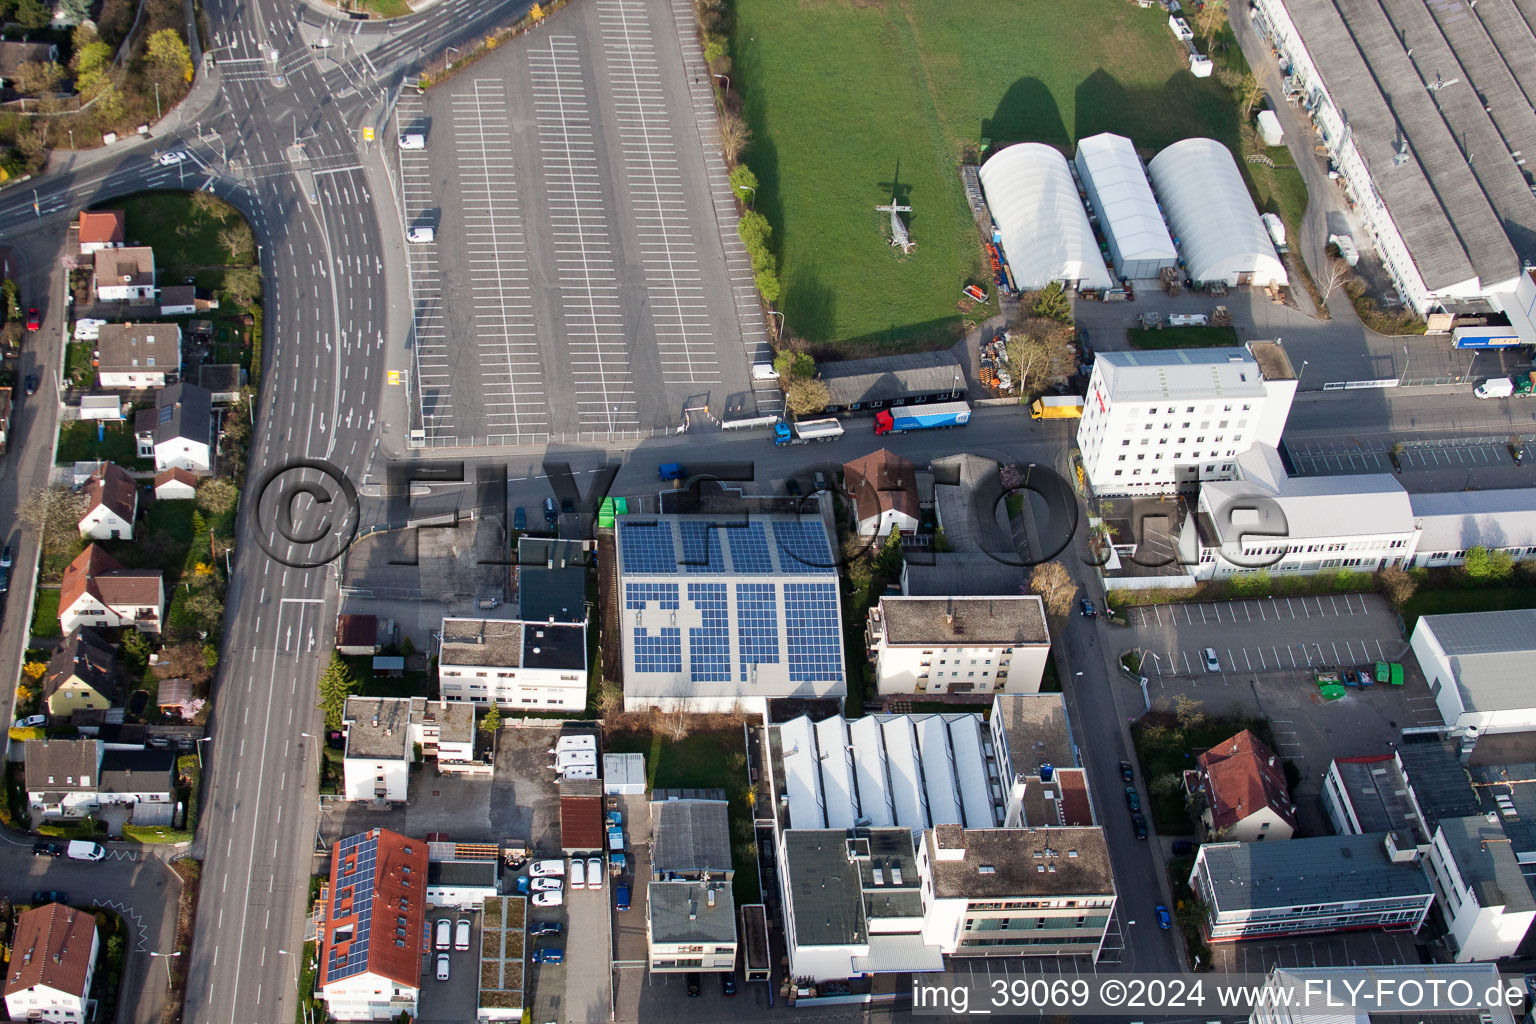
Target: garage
pixel 1045 231
pixel 1214 222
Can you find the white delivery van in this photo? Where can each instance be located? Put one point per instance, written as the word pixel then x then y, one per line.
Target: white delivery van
pixel 80 850
pixel 461 934
pixel 1498 387
pixel 547 868
pixel 578 873
pixel 421 234
pixel 764 371
pixel 413 140
pixel 444 927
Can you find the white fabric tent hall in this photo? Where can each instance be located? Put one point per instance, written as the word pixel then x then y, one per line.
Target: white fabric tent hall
pixel 1139 245
pixel 1045 230
pixel 1214 221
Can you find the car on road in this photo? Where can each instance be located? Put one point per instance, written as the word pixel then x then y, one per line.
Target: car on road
pixel 551 515
pixel 547 868
pixel 444 930
pixel 7 556
pixel 519 518
pixel 5 579
pixel 552 955
pixel 421 235
pixel 442 967
pixel 547 885
pixel 1087 610
pixel 1212 664
pixel 1127 772
pixel 1139 823
pixel 47 850
pixel 173 158
pixel 820 480
pixel 538 928
pixel 50 896
pixel 594 872
pixel 461 934
pixel 31 722
pixel 567 506
pixel 1132 799
pixel 31 383
pixel 34 320
pixel 548 899
pixel 1164 919
pixel 695 984
pixel 413 140
pixel 728 984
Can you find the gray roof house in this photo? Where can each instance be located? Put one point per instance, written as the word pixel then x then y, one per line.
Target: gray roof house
pixel 870 384
pixel 1478 667
pixel 690 838
pixel 178 432
pixel 62 777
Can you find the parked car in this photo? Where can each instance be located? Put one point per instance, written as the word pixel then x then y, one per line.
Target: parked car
pixel 548 899
pixel 695 984
pixel 538 928
pixel 621 897
pixel 594 872
pixel 547 885
pixel 1139 823
pixel 31 383
pixel 553 955
pixel 551 515
pixel 578 873
pixel 461 934
pixel 1164 919
pixel 47 850
pixel 519 518
pixel 567 507
pixel 442 967
pixel 1132 799
pixel 444 928
pixel 1127 772
pixel 31 722
pixel 1087 610
pixel 6 557
pixel 34 320
pixel 422 234
pixel 728 984
pixel 1211 662
pixel 792 487
pixel 50 896
pixel 413 140
pixel 820 480
pixel 547 868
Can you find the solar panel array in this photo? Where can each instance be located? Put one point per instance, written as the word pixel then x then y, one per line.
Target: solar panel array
pixel 757 625
pixel 647 547
pixel 701 547
pixel 638 595
pixel 661 653
pixel 709 645
pixel 802 547
pixel 811 631
pixel 749 549
pixel 357 884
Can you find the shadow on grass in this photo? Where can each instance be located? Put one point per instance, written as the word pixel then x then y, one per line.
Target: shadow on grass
pixel 1026 113
pixel 810 307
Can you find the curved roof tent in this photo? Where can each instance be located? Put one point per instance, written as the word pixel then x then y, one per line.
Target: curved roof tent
pixel 1214 220
pixel 1138 239
pixel 1045 230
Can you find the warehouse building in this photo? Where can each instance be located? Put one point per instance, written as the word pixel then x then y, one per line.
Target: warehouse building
pixel 1215 224
pixel 1039 214
pixel 1426 115
pixel 1116 182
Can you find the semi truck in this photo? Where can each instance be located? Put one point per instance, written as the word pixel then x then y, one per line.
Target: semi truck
pixel 922 417
pixel 1507 387
pixel 1056 407
pixel 807 431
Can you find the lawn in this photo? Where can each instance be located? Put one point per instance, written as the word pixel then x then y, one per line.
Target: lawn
pixel 1472 599
pixel 45 613
pixel 838 95
pixel 707 760
pixel 185 237
pixel 78 443
pixel 1181 337
pixel 407 684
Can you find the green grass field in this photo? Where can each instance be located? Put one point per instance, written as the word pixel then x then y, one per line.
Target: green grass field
pixel 838 93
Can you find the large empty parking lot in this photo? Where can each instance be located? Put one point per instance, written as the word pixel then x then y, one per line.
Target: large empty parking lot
pixel 582 283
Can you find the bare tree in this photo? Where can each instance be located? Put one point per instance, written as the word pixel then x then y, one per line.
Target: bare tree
pixel 1397 585
pixel 1189 711
pixel 734 136
pixel 674 725
pixel 1210 19
pixel 1250 94
pixel 38 78
pixel 1335 273
pixel 1055 586
pixel 53 510
pixel 1040 353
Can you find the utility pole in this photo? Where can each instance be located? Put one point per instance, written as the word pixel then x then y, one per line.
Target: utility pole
pixel 157 101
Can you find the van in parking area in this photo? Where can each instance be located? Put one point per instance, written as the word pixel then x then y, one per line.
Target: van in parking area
pixel 413 140
pixel 578 873
pixel 82 850
pixel 461 934
pixel 444 929
pixel 421 234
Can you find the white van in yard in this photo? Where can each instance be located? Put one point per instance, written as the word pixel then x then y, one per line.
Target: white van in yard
pixel 444 929
pixel 81 850
pixel 578 873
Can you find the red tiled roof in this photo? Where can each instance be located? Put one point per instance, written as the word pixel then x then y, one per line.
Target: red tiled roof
pixel 98 226
pixel 113 487
pixel 399 891
pixel 1241 776
pixel 98 573
pixel 882 481
pixel 357 631
pixel 53 948
pixel 180 476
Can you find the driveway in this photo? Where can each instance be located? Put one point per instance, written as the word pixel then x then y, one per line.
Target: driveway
pixel 456 805
pixel 1346 950
pixel 525 802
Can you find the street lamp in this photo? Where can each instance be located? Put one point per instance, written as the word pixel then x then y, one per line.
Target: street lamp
pixel 167 957
pixel 774 312
pixel 753 201
pixel 199 746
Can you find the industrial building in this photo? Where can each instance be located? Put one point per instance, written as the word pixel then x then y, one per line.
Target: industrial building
pixel 1214 222
pixel 1116 183
pixel 1040 217
pixel 1478 667
pixel 975 645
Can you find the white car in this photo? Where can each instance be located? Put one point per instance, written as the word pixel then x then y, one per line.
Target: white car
pixel 421 235
pixel 1212 663
pixel 442 967
pixel 548 899
pixel 461 934
pixel 578 873
pixel 547 868
pixel 173 158
pixel 594 872
pixel 30 722
pixel 413 140
pixel 546 885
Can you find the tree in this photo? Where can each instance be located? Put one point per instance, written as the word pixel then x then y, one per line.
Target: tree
pixel 1250 93
pixel 744 182
pixel 336 684
pixel 34 669
pixel 715 49
pixel 90 56
pixel 768 287
pixel 1189 712
pixel 734 136
pixel 1210 19
pixel 53 510
pixel 1335 273
pixel 888 561
pixel 1052 303
pixel 1397 585
pixel 491 721
pixel 674 725
pixel 792 366
pixel 1165 785
pixel 167 59
pixel 38 78
pixel 755 232
pixel 536 13
pixel 236 240
pixel 805 397
pixel 32 14
pixel 1487 566
pixel 74 12
pixel 1056 587
pixel 242 285
pixel 216 496
pixel 1041 354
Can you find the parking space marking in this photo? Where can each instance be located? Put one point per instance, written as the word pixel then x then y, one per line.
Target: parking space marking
pixel 679 313
pixel 593 327
pixel 515 408
pixel 433 384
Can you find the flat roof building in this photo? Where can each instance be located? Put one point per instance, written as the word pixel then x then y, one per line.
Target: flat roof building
pixel 1451 522
pixel 1478 667
pixel 914 378
pixel 958 645
pixel 514 664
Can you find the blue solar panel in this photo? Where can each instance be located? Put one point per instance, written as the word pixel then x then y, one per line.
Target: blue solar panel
pixel 749 549
pixel 802 546
pixel 647 547
pixel 701 547
pixel 757 624
pixel 638 595
pixel 358 884
pixel 663 653
pixel 812 632
pixel 709 645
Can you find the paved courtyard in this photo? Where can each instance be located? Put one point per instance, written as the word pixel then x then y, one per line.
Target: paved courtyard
pixel 1349 950
pixel 456 805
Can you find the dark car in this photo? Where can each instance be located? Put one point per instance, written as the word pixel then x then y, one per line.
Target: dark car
pixel 695 985
pixel 544 928
pixel 1164 919
pixel 568 506
pixel 1087 610
pixel 548 956
pixel 47 850
pixel 728 984
pixel 31 383
pixel 1127 772
pixel 551 516
pixel 519 518
pixel 50 896
pixel 7 557
pixel 34 321
pixel 1139 823
pixel 792 487
pixel 1132 798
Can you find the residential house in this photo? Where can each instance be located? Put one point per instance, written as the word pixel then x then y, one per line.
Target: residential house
pixel 883 488
pixel 178 300
pixel 1037 762
pixel 102 229
pixel 178 432
pixel 97 591
pixel 222 381
pixel 111 504
pixel 550 580
pixel 53 959
pixel 14 54
pixel 175 485
pixel 62 777
pixel 1478 667
pixel 125 275
pixel 461 882
pixel 81 674
pixel 514 664
pixel 143 781
pixel 1244 790
pixel 382 734
pixel 138 356
pixel 690 911
pixel 958 645
pixel 371 926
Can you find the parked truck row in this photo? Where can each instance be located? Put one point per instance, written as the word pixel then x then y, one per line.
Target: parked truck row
pixel 1522 386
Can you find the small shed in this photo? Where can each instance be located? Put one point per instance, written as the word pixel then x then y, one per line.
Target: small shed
pixel 624 774
pixel 101 407
pixel 1269 128
pixel 175 485
pixel 388 665
pixel 581 815
pixel 174 695
pixel 357 634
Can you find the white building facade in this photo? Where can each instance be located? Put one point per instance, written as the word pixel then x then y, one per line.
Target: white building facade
pixel 959 645
pixel 513 664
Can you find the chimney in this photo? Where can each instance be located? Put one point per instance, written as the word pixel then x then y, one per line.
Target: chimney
pixel 693 910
